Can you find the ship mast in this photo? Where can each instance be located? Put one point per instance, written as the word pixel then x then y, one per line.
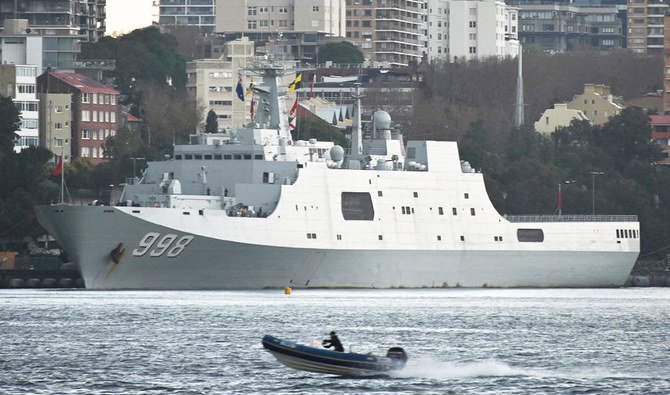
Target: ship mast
pixel 356 132
pixel 519 114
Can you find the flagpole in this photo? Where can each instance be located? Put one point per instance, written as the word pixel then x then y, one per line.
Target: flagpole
pixel 62 177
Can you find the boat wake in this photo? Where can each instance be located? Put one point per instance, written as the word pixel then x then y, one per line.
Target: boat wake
pixel 430 368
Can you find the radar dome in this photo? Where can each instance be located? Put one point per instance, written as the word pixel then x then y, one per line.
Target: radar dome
pixel 336 153
pixel 381 120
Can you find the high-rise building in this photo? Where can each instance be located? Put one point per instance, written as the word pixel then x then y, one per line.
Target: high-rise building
pixel 18 82
pixel 19 45
pixel 82 18
pixel 200 13
pixel 559 27
pixel 645 25
pixel 390 32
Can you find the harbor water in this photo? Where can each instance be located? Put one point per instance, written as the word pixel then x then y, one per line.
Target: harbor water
pixel 495 341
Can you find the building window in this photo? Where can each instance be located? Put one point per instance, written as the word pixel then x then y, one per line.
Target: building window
pixel 85 134
pixel 315 8
pixel 454 211
pixel 85 116
pixel 85 97
pixel 251 10
pixel 85 152
pixel 25 88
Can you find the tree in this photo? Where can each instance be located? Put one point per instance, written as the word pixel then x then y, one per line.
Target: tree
pixel 142 55
pixel 211 125
pixel 343 52
pixel 10 122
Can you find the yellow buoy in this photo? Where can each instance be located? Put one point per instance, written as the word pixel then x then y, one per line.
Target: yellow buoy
pixel 287 291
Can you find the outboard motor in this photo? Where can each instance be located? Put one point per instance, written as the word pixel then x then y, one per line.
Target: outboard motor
pixel 398 356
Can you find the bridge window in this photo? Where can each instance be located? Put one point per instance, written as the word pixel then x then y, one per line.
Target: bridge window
pixel 530 235
pixel 357 206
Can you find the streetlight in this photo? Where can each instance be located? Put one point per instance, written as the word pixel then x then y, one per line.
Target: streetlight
pixel 593 189
pixel 148 134
pixel 560 197
pixel 134 160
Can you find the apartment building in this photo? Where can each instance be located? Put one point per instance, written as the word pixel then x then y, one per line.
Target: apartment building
pixel 480 29
pixel 200 13
pixel 19 45
pixel 388 32
pixel 94 109
pixel 645 25
pixel 559 27
pixel 211 83
pixel 56 123
pixel 18 82
pixel 82 18
pixel 299 25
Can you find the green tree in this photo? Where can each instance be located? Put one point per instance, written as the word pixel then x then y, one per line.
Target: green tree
pixel 10 121
pixel 211 124
pixel 343 52
pixel 142 55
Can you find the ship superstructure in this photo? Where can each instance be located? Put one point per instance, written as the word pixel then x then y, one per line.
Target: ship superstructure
pixel 252 209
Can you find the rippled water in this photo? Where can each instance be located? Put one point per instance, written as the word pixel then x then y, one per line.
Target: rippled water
pixel 459 341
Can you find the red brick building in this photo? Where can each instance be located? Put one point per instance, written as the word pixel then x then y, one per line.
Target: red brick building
pixel 95 111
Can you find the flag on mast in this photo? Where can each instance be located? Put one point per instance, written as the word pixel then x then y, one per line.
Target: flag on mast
pixel 294 108
pixel 311 88
pixel 251 84
pixel 295 83
pixel 59 167
pixel 240 89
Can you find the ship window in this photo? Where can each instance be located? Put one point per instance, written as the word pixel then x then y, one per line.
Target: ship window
pixel 357 206
pixel 466 195
pixel 198 156
pixel 530 235
pixel 258 157
pixel 339 237
pixel 227 157
pixel 237 156
pixel 380 237
pixel 462 238
pixel 188 156
pixel 625 234
pixel 618 235
pixel 472 211
pixel 186 213
pixel 411 152
pixel 218 157
pixel 403 209
pixel 208 157
pixel 439 238
pixel 416 194
pixel 247 156
pixel 440 211
pixel 177 157
pixel 454 211
pixel 268 177
pixel 379 193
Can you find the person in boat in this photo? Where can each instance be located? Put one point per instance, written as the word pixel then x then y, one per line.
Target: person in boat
pixel 334 342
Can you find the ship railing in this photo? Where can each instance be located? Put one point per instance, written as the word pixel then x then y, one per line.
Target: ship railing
pixel 571 218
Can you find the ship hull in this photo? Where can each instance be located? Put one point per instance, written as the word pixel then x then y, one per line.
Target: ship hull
pixel 114 254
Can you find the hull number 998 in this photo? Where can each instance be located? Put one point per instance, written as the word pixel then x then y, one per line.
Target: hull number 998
pixel 156 246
